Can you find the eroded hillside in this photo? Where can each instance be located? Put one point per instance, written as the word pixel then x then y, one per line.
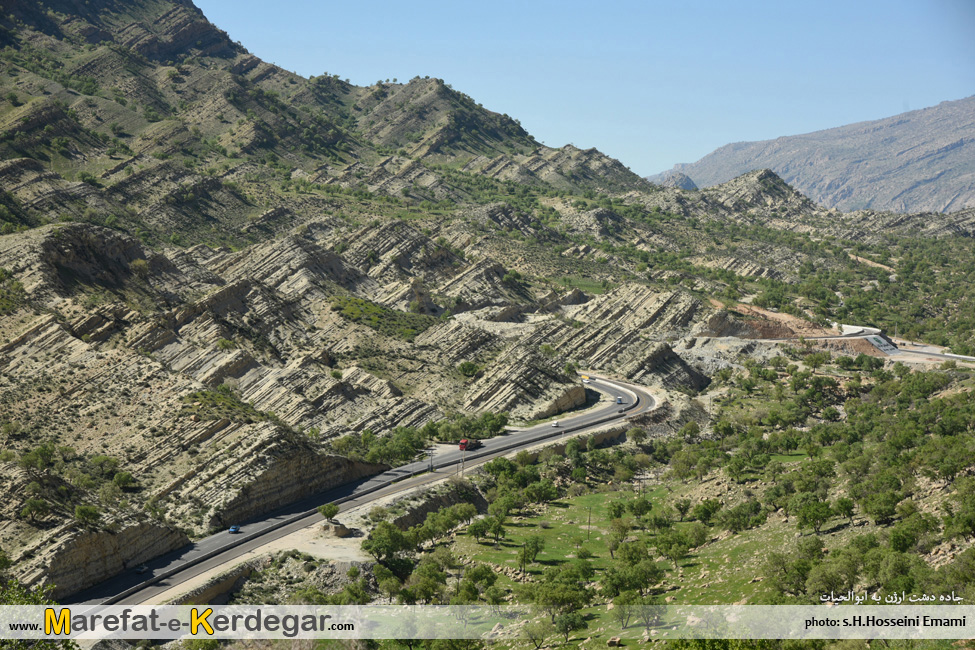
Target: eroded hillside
pixel 211 270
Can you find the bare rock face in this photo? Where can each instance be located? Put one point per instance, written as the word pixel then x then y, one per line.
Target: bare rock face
pixel 759 191
pixel 55 261
pixel 455 342
pixel 257 470
pixel 293 266
pixel 624 319
pixel 337 530
pixel 504 217
pixel 641 308
pixel 662 365
pixel 525 384
pixel 393 250
pixel 40 190
pixel 284 479
pixel 677 180
pixel 740 266
pixel 562 167
pixel 553 301
pixel 755 197
pixel 478 286
pixel 624 331
pixel 82 558
pixel 599 223
pixel 418 507
pixel 175 31
pixel 570 398
pixel 928 224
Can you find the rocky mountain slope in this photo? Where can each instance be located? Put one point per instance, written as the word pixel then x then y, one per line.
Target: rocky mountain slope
pixel 920 161
pixel 186 132
pixel 212 271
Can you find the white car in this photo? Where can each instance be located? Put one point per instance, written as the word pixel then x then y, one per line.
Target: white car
pixel 585 381
pixel 555 424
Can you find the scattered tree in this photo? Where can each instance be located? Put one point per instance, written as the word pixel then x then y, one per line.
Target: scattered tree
pixel 328 510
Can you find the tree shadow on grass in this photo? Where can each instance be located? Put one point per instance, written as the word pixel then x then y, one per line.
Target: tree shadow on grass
pixel 843 525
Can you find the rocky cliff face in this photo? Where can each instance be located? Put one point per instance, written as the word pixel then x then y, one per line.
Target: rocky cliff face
pixel 161 123
pixel 213 376
pixel 79 559
pixel 675 179
pixel 419 506
pixel 264 475
pixel 527 385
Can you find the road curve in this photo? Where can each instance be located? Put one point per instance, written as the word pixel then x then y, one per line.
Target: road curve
pixel 223 548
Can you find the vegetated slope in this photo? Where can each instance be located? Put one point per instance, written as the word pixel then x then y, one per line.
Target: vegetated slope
pixel 186 131
pixel 920 161
pixel 212 270
pixel 137 379
pixel 822 475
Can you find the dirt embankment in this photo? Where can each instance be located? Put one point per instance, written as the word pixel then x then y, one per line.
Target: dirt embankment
pixel 779 325
pixel 851 347
pixel 751 322
pixel 877 265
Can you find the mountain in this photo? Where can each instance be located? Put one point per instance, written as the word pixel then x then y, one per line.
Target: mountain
pixel 184 129
pixel 224 287
pixel 918 161
pixel 674 178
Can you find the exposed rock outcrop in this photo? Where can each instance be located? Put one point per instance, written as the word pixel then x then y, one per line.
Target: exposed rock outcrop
pixel 217 591
pixel 259 470
pixel 676 180
pixel 419 506
pixel 525 384
pixel 81 559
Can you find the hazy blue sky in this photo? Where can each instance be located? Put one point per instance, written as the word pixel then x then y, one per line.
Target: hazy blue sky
pixel 649 83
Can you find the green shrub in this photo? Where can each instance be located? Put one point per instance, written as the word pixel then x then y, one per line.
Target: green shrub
pixel 386 321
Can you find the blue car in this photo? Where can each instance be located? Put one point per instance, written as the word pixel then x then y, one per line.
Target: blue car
pixel 235 528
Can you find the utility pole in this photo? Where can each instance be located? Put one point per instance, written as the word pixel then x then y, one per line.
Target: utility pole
pixel 589 527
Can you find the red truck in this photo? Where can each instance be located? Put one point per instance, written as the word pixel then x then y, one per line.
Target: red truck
pixel 468 445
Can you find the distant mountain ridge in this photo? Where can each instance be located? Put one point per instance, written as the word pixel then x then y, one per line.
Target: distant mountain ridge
pixel 922 160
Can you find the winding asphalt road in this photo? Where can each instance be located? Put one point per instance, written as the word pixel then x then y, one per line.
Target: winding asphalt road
pixel 223 548
pixel 867 332
pixel 167 571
